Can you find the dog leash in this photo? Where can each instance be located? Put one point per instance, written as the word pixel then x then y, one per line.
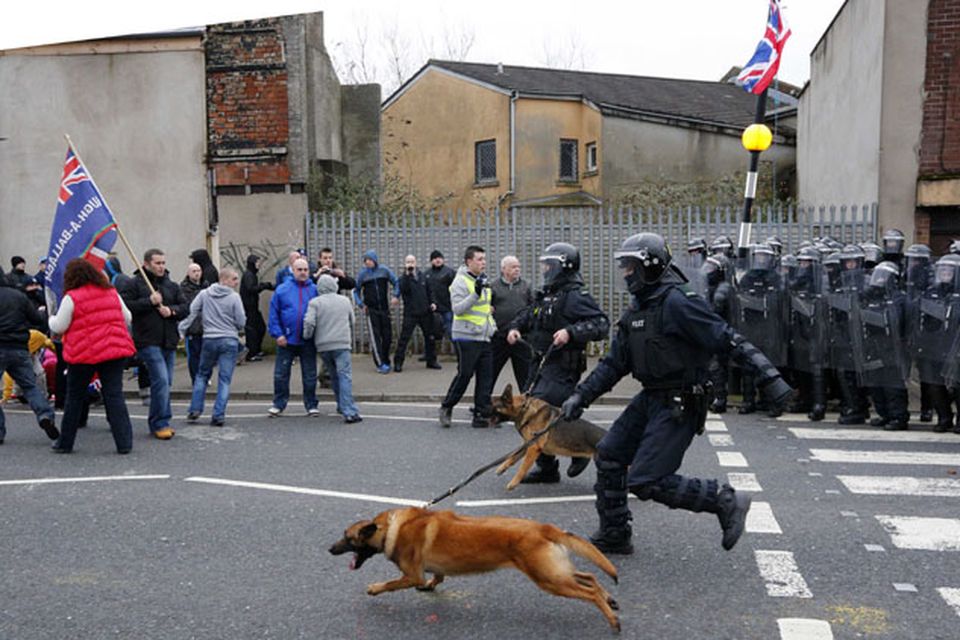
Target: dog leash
pixel 516 452
pixel 543 360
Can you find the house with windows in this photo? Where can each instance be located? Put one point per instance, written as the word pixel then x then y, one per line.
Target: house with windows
pixel 468 135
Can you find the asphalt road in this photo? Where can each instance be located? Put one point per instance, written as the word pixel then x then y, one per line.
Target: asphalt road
pixel 222 533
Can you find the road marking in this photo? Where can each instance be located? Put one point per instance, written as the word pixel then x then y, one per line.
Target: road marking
pixel 308 491
pixel 849 514
pixel 522 501
pixel 88 479
pixel 792 418
pixel 783 579
pixel 886 457
pixel 901 486
pixel 874 547
pixel 905 587
pixel 804 629
pixel 731 459
pixel 744 481
pixel 928 534
pixel 872 435
pixel 720 439
pixel 952 597
pixel 760 519
pixel 714 425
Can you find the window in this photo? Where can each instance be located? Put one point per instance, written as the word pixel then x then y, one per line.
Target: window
pixel 486 161
pixel 591 157
pixel 568 160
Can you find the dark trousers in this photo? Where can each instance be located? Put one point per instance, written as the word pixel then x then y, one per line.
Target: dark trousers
pixel 411 322
pixel 472 358
pixel 194 349
pixel 254 330
pixel 17 363
pixel 853 397
pixel 520 359
pixel 111 381
pixel 890 403
pixel 381 335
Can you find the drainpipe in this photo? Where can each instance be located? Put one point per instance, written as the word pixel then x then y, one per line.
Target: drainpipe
pixel 513 142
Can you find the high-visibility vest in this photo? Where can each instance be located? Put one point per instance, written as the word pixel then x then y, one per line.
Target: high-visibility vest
pixel 479 313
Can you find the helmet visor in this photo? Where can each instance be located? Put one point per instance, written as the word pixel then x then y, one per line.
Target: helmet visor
pixel 551 268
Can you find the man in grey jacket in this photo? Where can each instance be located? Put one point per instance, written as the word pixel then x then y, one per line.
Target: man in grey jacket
pixel 329 321
pixel 223 317
pixel 473 326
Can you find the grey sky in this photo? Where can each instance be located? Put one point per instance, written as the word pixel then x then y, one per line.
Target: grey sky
pixel 698 39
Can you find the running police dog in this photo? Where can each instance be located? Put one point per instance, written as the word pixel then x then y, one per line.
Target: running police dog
pixel 576 438
pixel 445 544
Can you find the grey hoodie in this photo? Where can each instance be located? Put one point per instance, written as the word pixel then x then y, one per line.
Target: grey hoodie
pixel 222 312
pixel 462 300
pixel 329 319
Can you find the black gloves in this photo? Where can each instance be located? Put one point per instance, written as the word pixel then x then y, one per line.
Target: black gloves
pixel 778 391
pixel 572 407
pixel 481 282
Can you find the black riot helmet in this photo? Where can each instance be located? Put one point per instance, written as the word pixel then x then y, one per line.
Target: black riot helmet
pixel 831 267
pixel 722 244
pixel 885 277
pixel 954 248
pixel 807 274
pixel 851 258
pixel 787 266
pixel 893 242
pixel 559 263
pixel 776 244
pixel 917 266
pixel 696 245
pixel 647 258
pixel 946 273
pixel 762 258
pixel 715 269
pixel 872 254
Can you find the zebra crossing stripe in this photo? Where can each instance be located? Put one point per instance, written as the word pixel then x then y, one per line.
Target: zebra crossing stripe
pixel 731 459
pixel 886 457
pixel 952 597
pixel 804 629
pixel 925 534
pixel 760 519
pixel 872 435
pixel 782 576
pixel 720 439
pixel 901 486
pixel 714 425
pixel 744 481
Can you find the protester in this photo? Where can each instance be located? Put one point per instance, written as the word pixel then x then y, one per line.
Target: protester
pixel 220 310
pixel 155 318
pixel 18 276
pixel 375 284
pixel 329 266
pixel 473 326
pixel 202 258
pixel 329 321
pixel 418 307
pixel 510 294
pixel 121 283
pixel 287 309
pixel 38 344
pixel 17 316
pixel 93 322
pixel 287 272
pixel 439 278
pixel 191 286
pixel 250 290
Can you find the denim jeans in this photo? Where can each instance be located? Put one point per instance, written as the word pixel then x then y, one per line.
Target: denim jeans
pixel 159 363
pixel 194 346
pixel 338 363
pixel 307 352
pixel 17 363
pixel 223 353
pixel 111 381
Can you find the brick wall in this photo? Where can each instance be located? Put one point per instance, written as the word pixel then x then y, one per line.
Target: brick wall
pixel 247 103
pixel 940 140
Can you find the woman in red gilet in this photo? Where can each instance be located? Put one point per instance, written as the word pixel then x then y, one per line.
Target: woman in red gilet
pixel 93 321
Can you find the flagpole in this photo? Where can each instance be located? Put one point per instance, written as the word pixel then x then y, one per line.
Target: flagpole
pixel 750 190
pixel 122 237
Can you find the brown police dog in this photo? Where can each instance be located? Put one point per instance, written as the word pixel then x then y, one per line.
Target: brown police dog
pixel 445 543
pixel 576 438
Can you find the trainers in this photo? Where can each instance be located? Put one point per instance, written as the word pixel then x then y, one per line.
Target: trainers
pixel 49 428
pixel 398 367
pixel 446 417
pixel 577 465
pixel 313 412
pixel 216 422
pixel 353 419
pixel 618 541
pixel 164 433
pixel 193 416
pixel 434 365
pixel 257 357
pixel 732 514
pixel 384 369
pixel 274 412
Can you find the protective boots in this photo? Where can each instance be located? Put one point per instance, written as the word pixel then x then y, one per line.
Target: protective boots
pixel 732 513
pixel 615 534
pixel 615 540
pixel 546 472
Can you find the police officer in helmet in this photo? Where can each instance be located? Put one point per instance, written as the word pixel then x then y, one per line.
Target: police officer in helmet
pixel 665 340
pixel 559 324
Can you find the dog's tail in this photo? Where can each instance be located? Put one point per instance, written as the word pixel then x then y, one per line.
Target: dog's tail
pixel 587 551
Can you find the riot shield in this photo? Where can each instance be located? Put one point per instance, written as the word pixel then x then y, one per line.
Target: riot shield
pixel 760 317
pixel 883 361
pixel 842 329
pixel 951 367
pixel 933 326
pixel 807 331
pixel 691 264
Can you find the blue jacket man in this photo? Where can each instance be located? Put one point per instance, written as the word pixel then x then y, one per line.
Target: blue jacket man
pixel 288 306
pixel 375 284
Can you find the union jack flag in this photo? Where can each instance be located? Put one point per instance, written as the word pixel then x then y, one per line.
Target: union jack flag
pixel 760 71
pixel 73 173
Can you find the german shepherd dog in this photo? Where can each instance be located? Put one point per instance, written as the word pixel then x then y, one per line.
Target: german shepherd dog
pixel 576 438
pixel 444 543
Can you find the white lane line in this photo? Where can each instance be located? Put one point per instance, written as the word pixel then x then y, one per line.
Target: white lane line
pixel 905 587
pixel 307 491
pixel 731 459
pixel 744 481
pixel 927 534
pixel 783 579
pixel 720 439
pixel 804 629
pixel 714 425
pixel 886 457
pixel 88 479
pixel 522 501
pixel 760 519
pixel 873 435
pixel 874 547
pixel 952 597
pixel 901 486
pixel 792 418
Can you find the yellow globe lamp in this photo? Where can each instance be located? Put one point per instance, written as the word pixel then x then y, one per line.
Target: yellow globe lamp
pixel 757 137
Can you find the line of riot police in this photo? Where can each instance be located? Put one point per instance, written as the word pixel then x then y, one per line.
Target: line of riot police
pixel 852 322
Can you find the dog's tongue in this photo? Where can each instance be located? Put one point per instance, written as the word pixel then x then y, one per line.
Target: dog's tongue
pixel 353 561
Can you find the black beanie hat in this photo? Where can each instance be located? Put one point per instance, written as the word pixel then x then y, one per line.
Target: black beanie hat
pixel 15 260
pixel 435 254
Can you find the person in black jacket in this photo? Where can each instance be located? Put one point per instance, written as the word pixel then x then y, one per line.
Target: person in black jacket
pixel 191 286
pixel 439 278
pixel 418 307
pixel 155 318
pixel 250 290
pixel 327 265
pixel 510 294
pixel 17 317
pixel 210 273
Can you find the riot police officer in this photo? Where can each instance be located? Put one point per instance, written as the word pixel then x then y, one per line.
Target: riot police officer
pixel 665 340
pixel 717 275
pixel 560 323
pixel 807 322
pixel 917 280
pixel 722 245
pixel 934 337
pixel 893 242
pixel 846 284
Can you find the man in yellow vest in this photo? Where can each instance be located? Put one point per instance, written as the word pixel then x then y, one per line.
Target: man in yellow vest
pixel 473 326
